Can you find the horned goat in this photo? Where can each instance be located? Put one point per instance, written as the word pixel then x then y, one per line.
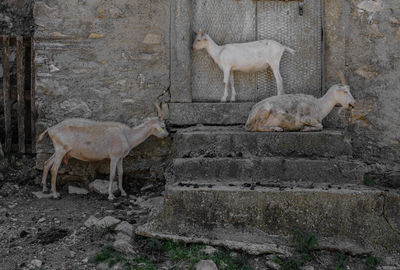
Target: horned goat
pixel 247 57
pixel 89 140
pixel 298 111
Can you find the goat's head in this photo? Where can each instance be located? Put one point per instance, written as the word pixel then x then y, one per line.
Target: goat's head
pixel 160 129
pixel 342 93
pixel 200 41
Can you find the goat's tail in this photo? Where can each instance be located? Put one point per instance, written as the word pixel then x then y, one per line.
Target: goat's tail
pixel 41 136
pixel 290 50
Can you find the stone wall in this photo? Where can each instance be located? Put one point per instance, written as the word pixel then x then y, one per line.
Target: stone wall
pixel 16 17
pixel 109 60
pixel 103 60
pixel 363 39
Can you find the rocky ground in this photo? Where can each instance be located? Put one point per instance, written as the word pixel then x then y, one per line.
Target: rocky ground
pixel 86 231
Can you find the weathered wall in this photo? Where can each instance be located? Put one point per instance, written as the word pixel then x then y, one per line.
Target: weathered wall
pixel 103 60
pixel 108 60
pixel 16 17
pixel 363 39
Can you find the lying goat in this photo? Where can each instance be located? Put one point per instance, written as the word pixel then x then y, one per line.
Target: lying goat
pixel 89 140
pixel 247 57
pixel 298 112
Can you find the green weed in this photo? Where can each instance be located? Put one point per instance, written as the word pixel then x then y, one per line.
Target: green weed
pixel 189 254
pixel 339 262
pixel 305 244
pixel 105 254
pixel 369 181
pixel 371 262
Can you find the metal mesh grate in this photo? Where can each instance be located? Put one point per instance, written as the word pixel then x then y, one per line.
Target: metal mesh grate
pixel 281 21
pixel 228 21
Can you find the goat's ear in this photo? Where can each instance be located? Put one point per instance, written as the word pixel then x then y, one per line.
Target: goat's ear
pixel 159 114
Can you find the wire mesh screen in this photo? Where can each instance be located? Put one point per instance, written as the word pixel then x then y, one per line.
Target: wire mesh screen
pixel 282 22
pixel 230 21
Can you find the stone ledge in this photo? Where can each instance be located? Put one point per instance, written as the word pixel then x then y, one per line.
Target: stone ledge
pixel 214 141
pixel 367 217
pixel 270 170
pixel 186 114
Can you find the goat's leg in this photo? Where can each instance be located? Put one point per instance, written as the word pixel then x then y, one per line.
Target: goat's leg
pixel 54 170
pixel 120 177
pixel 113 165
pixel 311 128
pixel 311 125
pixel 266 128
pixel 46 168
pixel 278 77
pixel 226 81
pixel 232 81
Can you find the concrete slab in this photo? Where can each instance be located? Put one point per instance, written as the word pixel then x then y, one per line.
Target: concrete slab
pixel 270 170
pixel 211 141
pixel 365 217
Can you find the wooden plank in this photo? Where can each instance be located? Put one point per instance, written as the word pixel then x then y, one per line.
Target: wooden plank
pixel 13 41
pixel 20 94
pixel 6 93
pixel 33 106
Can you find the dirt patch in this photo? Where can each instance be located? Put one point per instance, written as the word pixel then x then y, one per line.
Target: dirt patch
pixel 51 235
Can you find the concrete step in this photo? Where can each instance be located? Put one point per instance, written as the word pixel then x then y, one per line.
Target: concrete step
pixel 214 141
pixel 269 170
pixel 246 218
pixel 185 114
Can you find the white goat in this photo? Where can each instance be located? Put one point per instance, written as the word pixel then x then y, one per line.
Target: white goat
pixel 89 140
pixel 298 112
pixel 247 57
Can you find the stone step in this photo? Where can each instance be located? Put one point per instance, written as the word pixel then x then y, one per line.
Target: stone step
pixel 186 114
pixel 246 218
pixel 235 141
pixel 269 170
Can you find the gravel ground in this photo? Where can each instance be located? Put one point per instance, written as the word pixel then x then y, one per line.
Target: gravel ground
pixel 52 234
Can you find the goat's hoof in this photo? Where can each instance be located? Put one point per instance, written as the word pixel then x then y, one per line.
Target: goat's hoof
pixel 56 195
pixel 123 193
pixel 111 197
pixel 45 190
pixel 223 100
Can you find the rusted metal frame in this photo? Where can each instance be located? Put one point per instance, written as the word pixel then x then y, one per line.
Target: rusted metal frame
pixel 20 94
pixel 6 93
pixel 32 97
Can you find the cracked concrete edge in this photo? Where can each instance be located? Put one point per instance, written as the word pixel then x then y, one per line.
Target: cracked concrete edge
pixel 258 249
pixel 253 249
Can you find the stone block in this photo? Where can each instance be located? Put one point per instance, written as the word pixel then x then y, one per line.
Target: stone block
pixel 184 114
pixel 101 186
pixel 267 171
pixel 237 142
pixel 362 217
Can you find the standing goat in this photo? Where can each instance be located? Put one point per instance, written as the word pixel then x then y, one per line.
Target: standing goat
pixel 298 111
pixel 89 140
pixel 247 57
